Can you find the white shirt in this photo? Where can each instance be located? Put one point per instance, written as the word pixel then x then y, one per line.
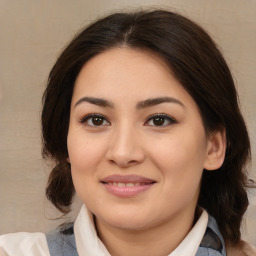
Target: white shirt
pixel 87 241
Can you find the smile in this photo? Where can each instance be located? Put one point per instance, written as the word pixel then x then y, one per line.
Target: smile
pixel 120 184
pixel 127 186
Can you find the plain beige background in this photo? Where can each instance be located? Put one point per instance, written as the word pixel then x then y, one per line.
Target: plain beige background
pixel 32 34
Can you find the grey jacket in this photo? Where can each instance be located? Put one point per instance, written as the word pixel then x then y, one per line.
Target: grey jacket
pixel 62 241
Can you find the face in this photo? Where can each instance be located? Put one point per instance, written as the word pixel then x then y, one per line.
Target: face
pixel 136 141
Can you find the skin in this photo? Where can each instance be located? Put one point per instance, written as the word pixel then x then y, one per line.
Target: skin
pixel 128 141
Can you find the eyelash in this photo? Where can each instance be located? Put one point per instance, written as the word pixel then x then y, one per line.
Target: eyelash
pixel 90 116
pixel 166 117
pixel 163 116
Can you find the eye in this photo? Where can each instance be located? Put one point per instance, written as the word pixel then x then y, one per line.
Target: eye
pixel 160 120
pixel 95 120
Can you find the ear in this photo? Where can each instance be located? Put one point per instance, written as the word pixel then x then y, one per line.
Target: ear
pixel 216 150
pixel 68 160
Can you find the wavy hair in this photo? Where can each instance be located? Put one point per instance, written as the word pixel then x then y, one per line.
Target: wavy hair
pixel 197 64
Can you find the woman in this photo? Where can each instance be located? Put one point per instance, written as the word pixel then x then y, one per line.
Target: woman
pixel 141 116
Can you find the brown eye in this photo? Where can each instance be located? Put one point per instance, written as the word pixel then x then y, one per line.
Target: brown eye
pixel 95 120
pixel 160 120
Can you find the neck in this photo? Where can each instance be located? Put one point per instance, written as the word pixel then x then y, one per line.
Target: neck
pixel 160 239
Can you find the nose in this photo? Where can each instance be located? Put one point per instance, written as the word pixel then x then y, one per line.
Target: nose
pixel 125 148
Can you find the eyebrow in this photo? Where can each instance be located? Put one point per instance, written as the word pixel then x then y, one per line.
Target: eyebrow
pixel 95 101
pixel 140 105
pixel 155 101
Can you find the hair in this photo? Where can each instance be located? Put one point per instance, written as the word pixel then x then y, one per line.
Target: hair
pixel 196 63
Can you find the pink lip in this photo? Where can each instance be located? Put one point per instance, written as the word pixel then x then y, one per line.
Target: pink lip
pixel 141 184
pixel 126 179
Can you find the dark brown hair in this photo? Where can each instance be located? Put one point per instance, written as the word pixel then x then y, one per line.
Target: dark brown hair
pixel 200 68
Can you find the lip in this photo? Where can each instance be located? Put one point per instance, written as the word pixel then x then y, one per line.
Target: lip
pixel 127 185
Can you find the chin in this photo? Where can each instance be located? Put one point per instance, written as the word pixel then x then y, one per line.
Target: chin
pixel 126 221
pixel 132 225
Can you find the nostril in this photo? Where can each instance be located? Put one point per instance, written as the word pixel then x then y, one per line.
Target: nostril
pixel 124 156
pixel 132 162
pixel 123 163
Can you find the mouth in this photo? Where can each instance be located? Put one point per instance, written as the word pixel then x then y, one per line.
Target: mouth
pixel 127 185
pixel 122 184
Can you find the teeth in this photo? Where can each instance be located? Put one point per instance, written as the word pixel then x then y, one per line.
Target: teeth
pixel 130 184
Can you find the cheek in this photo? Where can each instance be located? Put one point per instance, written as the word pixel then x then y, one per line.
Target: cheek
pixel 180 161
pixel 84 152
pixel 179 153
pixel 181 167
pixel 85 155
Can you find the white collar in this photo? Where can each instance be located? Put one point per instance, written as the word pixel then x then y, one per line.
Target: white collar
pixel 87 241
pixel 191 242
pixel 89 244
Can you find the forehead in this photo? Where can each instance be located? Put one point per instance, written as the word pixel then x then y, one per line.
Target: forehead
pixel 121 61
pixel 128 74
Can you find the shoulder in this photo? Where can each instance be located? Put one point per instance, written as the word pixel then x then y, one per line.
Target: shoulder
pixel 23 244
pixel 212 243
pixel 59 242
pixel 62 241
pixel 243 249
